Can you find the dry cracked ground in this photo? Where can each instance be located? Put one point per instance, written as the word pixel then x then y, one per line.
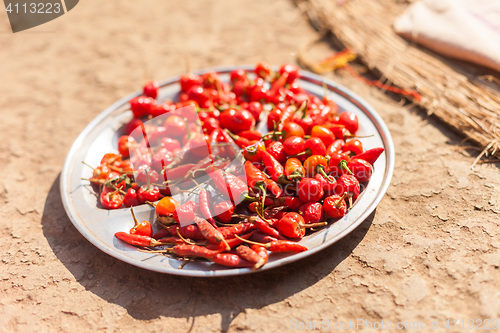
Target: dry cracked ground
pixel 430 251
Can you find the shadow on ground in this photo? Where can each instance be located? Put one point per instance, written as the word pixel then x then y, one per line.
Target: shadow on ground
pixel 148 295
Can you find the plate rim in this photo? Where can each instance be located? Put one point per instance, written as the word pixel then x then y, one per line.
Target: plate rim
pixel 305 75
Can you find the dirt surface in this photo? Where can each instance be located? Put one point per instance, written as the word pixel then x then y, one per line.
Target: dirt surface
pixel 430 252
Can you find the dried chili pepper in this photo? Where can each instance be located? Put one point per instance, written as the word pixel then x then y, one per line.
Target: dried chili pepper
pixel 137 240
pixel 205 202
pixel 209 232
pixel 250 255
pixel 231 260
pixel 237 229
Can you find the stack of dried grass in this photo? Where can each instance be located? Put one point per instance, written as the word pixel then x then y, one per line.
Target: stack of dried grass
pixel 464 96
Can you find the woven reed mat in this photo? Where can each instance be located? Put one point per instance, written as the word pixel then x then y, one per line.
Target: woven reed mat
pixel 464 96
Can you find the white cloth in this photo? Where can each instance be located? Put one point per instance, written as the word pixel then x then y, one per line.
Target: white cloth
pixel 464 29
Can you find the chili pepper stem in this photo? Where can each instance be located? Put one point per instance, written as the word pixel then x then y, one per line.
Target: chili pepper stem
pixel 94 180
pixel 339 202
pixel 228 248
pixel 186 261
pixel 135 219
pixel 85 163
pixel 321 170
pixel 151 203
pixel 315 225
pixel 305 152
pixel 269 135
pixel 303 108
pixel 252 242
pixel 359 136
pixel 120 170
pixel 343 165
pixel 167 250
pixel 183 239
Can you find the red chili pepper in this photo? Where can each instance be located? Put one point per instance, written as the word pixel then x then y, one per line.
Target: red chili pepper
pixel 237 120
pixel 338 130
pixel 110 159
pixel 335 147
pixel 146 193
pixel 370 155
pixel 208 231
pixel 335 206
pixel 286 116
pixel 324 134
pixel 337 165
pixel 231 260
pixel 151 89
pixel 293 203
pixel 285 246
pixel 276 150
pixel 189 231
pixel 292 129
pixel 255 177
pixel 230 185
pixel 350 185
pixel 315 146
pixel 250 255
pixel 111 199
pixel 188 250
pixel 242 142
pixel 262 237
pixel 141 105
pixel 273 187
pixel 125 142
pixel 361 169
pixel 250 135
pixel 252 153
pixel 130 199
pixel 137 240
pixel 312 212
pixel 161 233
pixel 237 229
pixel 328 185
pixel 354 146
pixel 350 121
pixel 185 213
pixel 144 228
pixel 264 227
pixel 232 242
pixel 171 239
pixel 261 251
pixel 223 211
pixel 292 225
pixel 310 189
pixel 205 201
pixel 281 246
pixel 293 145
pixel 273 167
pixel 255 108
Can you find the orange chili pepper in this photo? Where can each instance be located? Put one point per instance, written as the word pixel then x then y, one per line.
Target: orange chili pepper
pixel 294 169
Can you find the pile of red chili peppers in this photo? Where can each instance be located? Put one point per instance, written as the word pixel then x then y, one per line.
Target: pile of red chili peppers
pixel 304 173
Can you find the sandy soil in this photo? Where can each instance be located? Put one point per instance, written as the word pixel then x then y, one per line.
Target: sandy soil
pixel 431 251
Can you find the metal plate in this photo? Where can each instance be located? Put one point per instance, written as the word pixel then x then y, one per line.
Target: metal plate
pixel 99 225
